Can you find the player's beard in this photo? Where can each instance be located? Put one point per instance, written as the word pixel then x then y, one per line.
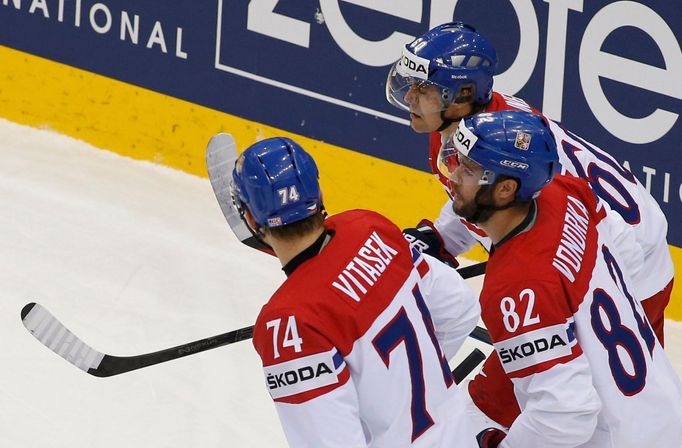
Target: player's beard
pixel 478 210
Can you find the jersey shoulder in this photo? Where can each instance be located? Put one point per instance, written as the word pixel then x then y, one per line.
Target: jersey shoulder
pixel 560 247
pixel 501 101
pixel 536 281
pixel 340 291
pixel 313 320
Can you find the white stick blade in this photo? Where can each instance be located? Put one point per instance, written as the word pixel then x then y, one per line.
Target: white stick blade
pixel 55 336
pixel 221 155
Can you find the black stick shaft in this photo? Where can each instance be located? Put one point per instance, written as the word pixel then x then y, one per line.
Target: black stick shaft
pixel 114 365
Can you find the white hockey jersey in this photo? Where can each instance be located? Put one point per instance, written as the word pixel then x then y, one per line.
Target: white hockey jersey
pixel 615 185
pixel 354 344
pixel 586 366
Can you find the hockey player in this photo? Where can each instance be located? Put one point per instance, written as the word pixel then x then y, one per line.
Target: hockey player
pixel 354 343
pixel 447 75
pixel 556 298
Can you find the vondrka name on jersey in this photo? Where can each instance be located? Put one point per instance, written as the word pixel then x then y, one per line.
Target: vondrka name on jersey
pixel 535 347
pixel 301 375
pixel 569 255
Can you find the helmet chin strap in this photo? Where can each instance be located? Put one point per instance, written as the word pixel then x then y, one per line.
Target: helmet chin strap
pixel 446 122
pixel 257 233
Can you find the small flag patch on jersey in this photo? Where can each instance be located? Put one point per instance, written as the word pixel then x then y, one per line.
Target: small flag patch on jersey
pixel 522 140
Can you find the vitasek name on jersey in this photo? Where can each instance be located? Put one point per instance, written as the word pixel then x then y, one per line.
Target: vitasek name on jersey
pixel 365 268
pixel 533 348
pixel 300 375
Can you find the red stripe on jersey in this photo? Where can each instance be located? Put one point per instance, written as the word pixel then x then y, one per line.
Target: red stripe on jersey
pixel 423 268
pixel 344 376
pixel 472 228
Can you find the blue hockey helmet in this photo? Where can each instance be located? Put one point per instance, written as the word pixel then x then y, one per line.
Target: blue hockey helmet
pixel 278 181
pixel 454 57
pixel 512 142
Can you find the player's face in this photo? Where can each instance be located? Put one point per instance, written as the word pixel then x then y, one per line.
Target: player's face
pixel 425 107
pixel 464 184
pixel 465 179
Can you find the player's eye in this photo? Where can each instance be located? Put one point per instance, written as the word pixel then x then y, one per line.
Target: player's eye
pixel 420 85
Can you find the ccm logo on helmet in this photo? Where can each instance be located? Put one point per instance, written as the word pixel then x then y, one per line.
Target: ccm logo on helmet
pixel 301 375
pixel 534 347
pixel 514 164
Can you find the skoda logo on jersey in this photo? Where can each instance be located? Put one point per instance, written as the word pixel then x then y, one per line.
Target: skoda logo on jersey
pixel 514 164
pixel 302 375
pixel 291 377
pixel 413 66
pixel 534 348
pixel 530 348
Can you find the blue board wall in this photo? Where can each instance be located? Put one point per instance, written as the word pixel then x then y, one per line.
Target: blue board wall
pixel 318 67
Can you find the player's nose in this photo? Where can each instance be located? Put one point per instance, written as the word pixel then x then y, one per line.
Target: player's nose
pixel 411 96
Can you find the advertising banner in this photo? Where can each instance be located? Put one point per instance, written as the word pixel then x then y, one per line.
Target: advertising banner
pixel 611 71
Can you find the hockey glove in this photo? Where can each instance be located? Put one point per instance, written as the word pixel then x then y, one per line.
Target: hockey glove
pixel 490 438
pixel 426 239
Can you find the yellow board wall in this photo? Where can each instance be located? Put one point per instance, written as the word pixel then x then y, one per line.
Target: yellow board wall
pixel 145 125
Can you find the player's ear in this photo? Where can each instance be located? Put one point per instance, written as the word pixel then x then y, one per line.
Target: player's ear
pixel 249 219
pixel 505 191
pixel 251 222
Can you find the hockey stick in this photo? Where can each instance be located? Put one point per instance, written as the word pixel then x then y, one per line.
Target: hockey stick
pixel 55 336
pixel 468 365
pixel 221 155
